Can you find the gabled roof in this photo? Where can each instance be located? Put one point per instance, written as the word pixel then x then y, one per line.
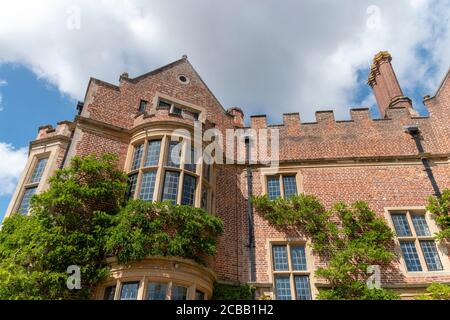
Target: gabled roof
pixel 156 71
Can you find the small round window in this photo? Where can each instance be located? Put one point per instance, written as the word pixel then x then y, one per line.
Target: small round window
pixel 183 79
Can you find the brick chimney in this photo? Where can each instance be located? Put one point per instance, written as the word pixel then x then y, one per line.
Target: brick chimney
pixel 238 116
pixel 385 86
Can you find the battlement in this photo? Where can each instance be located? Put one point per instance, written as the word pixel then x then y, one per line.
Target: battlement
pixel 63 128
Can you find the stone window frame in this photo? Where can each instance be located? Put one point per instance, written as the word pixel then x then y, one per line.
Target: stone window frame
pixel 161 169
pixel 310 264
pixel 144 281
pixel 168 270
pixel 287 171
pixel 440 246
pixel 184 105
pixel 27 184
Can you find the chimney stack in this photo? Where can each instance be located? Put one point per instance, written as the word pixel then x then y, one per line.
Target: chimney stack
pixel 238 116
pixel 385 86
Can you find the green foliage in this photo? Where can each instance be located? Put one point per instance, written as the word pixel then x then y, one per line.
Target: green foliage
pixel 232 292
pixel 67 226
pixel 349 238
pixel 439 207
pixel 162 229
pixel 80 220
pixel 436 291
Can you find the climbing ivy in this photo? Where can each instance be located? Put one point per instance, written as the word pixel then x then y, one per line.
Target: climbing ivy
pixel 224 291
pixel 145 228
pixel 348 238
pixel 440 207
pixel 82 219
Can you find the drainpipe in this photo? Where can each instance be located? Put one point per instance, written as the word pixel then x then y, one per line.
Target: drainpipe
pixel 251 237
pixel 414 131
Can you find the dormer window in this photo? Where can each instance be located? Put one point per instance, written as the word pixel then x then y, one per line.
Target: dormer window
pixel 142 106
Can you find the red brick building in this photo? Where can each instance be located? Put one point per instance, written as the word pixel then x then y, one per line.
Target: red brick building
pixel 394 163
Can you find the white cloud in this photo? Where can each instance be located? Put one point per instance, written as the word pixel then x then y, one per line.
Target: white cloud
pixel 267 57
pixel 11 166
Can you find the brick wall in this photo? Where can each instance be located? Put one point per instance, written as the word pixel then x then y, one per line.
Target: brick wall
pixel 358 159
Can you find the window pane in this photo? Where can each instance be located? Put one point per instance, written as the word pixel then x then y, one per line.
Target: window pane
pixel 173 157
pixel 283 288
pixel 129 291
pixel 290 186
pixel 410 255
pixel 137 156
pixel 153 151
pixel 25 203
pixel 206 166
pixel 204 203
pixel 179 293
pixel 199 295
pixel 176 110
pixel 163 104
pixel 132 180
pixel 190 161
pixel 170 189
pixel 280 259
pixel 148 185
pixel 156 291
pixel 273 187
pixel 431 255
pixel 38 170
pixel 188 195
pixel 298 258
pixel 420 225
pixel 109 293
pixel 401 225
pixel 142 106
pixel 302 288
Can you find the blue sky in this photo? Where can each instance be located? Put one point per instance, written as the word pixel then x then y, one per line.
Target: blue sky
pixel 262 56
